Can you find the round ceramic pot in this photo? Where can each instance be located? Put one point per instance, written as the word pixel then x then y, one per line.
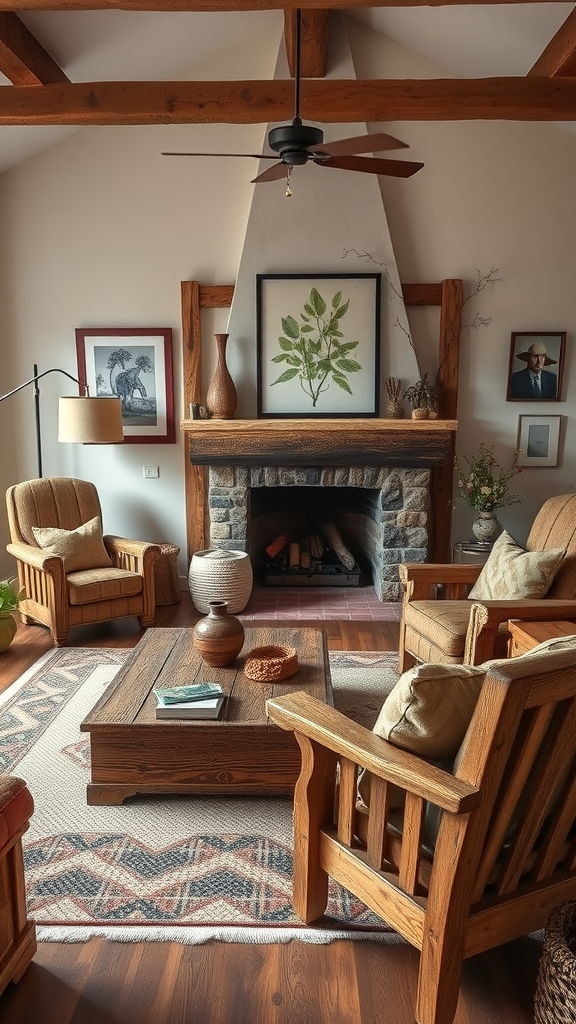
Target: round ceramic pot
pixel 220 575
pixel 219 636
pixel 486 528
pixel 419 414
pixel 7 630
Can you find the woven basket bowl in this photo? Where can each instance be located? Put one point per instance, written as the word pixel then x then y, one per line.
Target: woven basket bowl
pixel 271 664
pixel 555 999
pixel 220 575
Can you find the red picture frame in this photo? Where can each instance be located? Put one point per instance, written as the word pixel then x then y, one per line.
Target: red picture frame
pixel 135 364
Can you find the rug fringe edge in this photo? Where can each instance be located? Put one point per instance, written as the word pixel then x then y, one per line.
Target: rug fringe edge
pixel 198 936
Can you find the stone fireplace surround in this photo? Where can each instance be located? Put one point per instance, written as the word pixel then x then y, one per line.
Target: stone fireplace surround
pixel 391 524
pixel 391 459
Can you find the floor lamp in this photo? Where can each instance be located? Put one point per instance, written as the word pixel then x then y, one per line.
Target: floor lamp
pixel 81 419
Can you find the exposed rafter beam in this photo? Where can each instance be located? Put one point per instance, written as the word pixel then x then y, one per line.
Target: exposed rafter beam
pixel 325 101
pixel 236 5
pixel 559 57
pixel 313 42
pixel 22 59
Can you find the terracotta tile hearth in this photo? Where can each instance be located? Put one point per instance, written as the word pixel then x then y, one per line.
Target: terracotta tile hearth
pixel 311 603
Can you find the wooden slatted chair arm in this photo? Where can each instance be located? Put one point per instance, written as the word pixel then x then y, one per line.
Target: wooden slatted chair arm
pixel 439 573
pixel 487 617
pixel 134 555
pixel 37 558
pixel 306 716
pixel 529 610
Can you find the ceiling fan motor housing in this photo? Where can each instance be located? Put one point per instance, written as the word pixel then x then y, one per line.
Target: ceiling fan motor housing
pixel 291 141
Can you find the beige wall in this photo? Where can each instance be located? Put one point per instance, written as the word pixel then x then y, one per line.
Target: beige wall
pixel 100 230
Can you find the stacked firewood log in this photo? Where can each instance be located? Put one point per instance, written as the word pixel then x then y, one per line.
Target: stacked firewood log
pixel 309 552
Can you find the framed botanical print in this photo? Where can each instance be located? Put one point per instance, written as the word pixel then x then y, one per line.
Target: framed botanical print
pixel 535 367
pixel 318 345
pixel 134 364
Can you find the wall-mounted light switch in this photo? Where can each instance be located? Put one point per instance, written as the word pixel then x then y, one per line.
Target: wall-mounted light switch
pixel 151 472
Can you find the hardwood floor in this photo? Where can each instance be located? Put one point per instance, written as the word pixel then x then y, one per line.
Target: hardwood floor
pixel 102 982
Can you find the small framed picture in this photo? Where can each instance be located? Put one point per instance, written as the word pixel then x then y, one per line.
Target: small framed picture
pixel 539 439
pixel 318 345
pixel 535 368
pixel 134 364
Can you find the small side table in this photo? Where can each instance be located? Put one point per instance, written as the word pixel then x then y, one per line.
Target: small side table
pixel 526 635
pixel 467 551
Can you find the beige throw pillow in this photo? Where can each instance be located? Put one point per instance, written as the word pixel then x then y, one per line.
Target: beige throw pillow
pixel 430 708
pixel 81 549
pixel 512 574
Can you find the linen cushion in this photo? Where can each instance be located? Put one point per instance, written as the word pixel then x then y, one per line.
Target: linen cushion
pixel 429 709
pixel 436 630
pixel 512 574
pixel 82 548
pixel 90 585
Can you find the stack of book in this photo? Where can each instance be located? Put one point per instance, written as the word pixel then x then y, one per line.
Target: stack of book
pixel 200 700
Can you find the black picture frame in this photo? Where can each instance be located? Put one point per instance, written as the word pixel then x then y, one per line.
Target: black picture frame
pixel 551 364
pixel 296 338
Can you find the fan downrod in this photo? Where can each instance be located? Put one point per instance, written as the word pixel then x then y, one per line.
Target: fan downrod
pixel 291 141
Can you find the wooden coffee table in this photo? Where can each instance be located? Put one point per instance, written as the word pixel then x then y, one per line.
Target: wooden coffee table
pixel 242 752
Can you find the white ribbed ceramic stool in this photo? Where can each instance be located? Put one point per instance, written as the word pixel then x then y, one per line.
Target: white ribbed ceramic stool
pixel 220 575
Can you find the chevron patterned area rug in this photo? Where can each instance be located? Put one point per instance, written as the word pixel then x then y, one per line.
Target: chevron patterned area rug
pixel 189 869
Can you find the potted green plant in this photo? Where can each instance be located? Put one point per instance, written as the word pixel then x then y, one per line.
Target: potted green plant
pixel 9 599
pixel 423 397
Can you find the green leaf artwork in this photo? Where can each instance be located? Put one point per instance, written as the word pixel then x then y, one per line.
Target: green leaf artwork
pixel 314 350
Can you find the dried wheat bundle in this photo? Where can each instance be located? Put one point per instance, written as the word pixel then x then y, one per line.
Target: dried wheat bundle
pixel 393 388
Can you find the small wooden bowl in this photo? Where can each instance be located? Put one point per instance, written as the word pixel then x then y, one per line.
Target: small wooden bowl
pixel 271 664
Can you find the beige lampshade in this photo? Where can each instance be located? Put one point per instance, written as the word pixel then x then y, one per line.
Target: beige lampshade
pixel 83 420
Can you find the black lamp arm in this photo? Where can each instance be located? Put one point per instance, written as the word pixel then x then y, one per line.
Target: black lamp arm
pixel 38 376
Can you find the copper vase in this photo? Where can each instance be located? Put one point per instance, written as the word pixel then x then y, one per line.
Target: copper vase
pixel 219 636
pixel 221 399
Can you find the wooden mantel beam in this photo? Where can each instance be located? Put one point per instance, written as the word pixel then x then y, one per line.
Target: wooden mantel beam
pixel 324 101
pixel 237 5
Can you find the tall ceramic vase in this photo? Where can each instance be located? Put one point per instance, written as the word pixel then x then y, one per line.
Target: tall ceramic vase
pixel 221 399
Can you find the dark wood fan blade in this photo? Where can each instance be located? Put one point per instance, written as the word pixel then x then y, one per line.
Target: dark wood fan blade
pixel 376 143
pixel 253 156
pixel 278 171
pixel 396 168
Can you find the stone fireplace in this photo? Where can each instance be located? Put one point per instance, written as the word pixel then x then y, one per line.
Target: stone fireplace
pixel 385 519
pixel 389 465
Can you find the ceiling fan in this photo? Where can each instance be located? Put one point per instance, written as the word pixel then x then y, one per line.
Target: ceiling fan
pixel 297 143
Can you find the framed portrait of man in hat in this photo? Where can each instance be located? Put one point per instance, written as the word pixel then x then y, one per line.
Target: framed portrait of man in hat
pixel 536 364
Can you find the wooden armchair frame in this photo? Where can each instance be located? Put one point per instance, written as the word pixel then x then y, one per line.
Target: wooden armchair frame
pixel 430 635
pixel 504 855
pixel 420 582
pixel 44 580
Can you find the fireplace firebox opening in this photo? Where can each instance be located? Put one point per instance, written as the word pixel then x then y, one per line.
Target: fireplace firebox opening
pixel 376 516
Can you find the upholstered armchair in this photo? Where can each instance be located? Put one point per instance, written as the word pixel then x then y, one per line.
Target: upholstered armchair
pixel 456 861
pixel 70 573
pixel 457 629
pixel 17 932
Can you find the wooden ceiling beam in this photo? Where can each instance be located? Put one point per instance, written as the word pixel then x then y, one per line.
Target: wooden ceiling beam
pixel 313 42
pixel 559 57
pixel 236 5
pixel 22 59
pixel 325 101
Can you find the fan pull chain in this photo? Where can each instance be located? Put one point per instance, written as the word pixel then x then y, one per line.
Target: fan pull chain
pixel 288 189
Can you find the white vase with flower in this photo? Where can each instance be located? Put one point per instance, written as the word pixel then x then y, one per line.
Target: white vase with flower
pixel 484 485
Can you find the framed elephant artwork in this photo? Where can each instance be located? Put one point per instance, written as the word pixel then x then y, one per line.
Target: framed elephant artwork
pixel 134 364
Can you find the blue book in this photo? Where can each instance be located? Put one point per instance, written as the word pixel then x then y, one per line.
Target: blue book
pixel 181 694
